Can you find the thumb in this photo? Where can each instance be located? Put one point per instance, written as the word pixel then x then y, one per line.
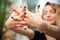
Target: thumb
pixel 37 10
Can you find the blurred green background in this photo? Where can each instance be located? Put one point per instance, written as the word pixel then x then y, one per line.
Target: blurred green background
pixel 3 4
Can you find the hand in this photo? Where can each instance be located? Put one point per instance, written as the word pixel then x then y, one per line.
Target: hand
pixel 16 14
pixel 32 19
pixel 12 21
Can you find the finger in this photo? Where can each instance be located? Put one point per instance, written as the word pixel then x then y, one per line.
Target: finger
pixel 17 22
pixel 21 23
pixel 14 24
pixel 25 9
pixel 38 6
pixel 24 22
pixel 16 11
pixel 22 15
pixel 37 10
pixel 16 18
pixel 28 15
pixel 18 25
pixel 22 8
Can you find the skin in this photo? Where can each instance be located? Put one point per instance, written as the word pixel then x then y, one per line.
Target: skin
pixel 31 20
pixel 9 35
pixel 49 15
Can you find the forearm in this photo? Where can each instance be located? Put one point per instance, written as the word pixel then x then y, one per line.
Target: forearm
pixel 28 32
pixel 51 30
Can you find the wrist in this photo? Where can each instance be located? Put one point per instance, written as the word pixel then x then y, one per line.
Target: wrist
pixel 44 26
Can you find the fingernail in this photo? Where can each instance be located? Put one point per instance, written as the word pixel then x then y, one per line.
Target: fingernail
pixel 24 9
pixel 14 9
pixel 25 28
pixel 22 18
pixel 38 6
pixel 20 6
pixel 12 17
pixel 24 6
pixel 24 12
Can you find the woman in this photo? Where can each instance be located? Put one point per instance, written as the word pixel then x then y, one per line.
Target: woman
pixel 47 25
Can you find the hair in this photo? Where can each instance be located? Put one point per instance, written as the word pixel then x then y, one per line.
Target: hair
pixel 56 9
pixel 58 15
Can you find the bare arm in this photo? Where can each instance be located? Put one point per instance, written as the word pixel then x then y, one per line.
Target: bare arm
pixel 51 30
pixel 28 32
